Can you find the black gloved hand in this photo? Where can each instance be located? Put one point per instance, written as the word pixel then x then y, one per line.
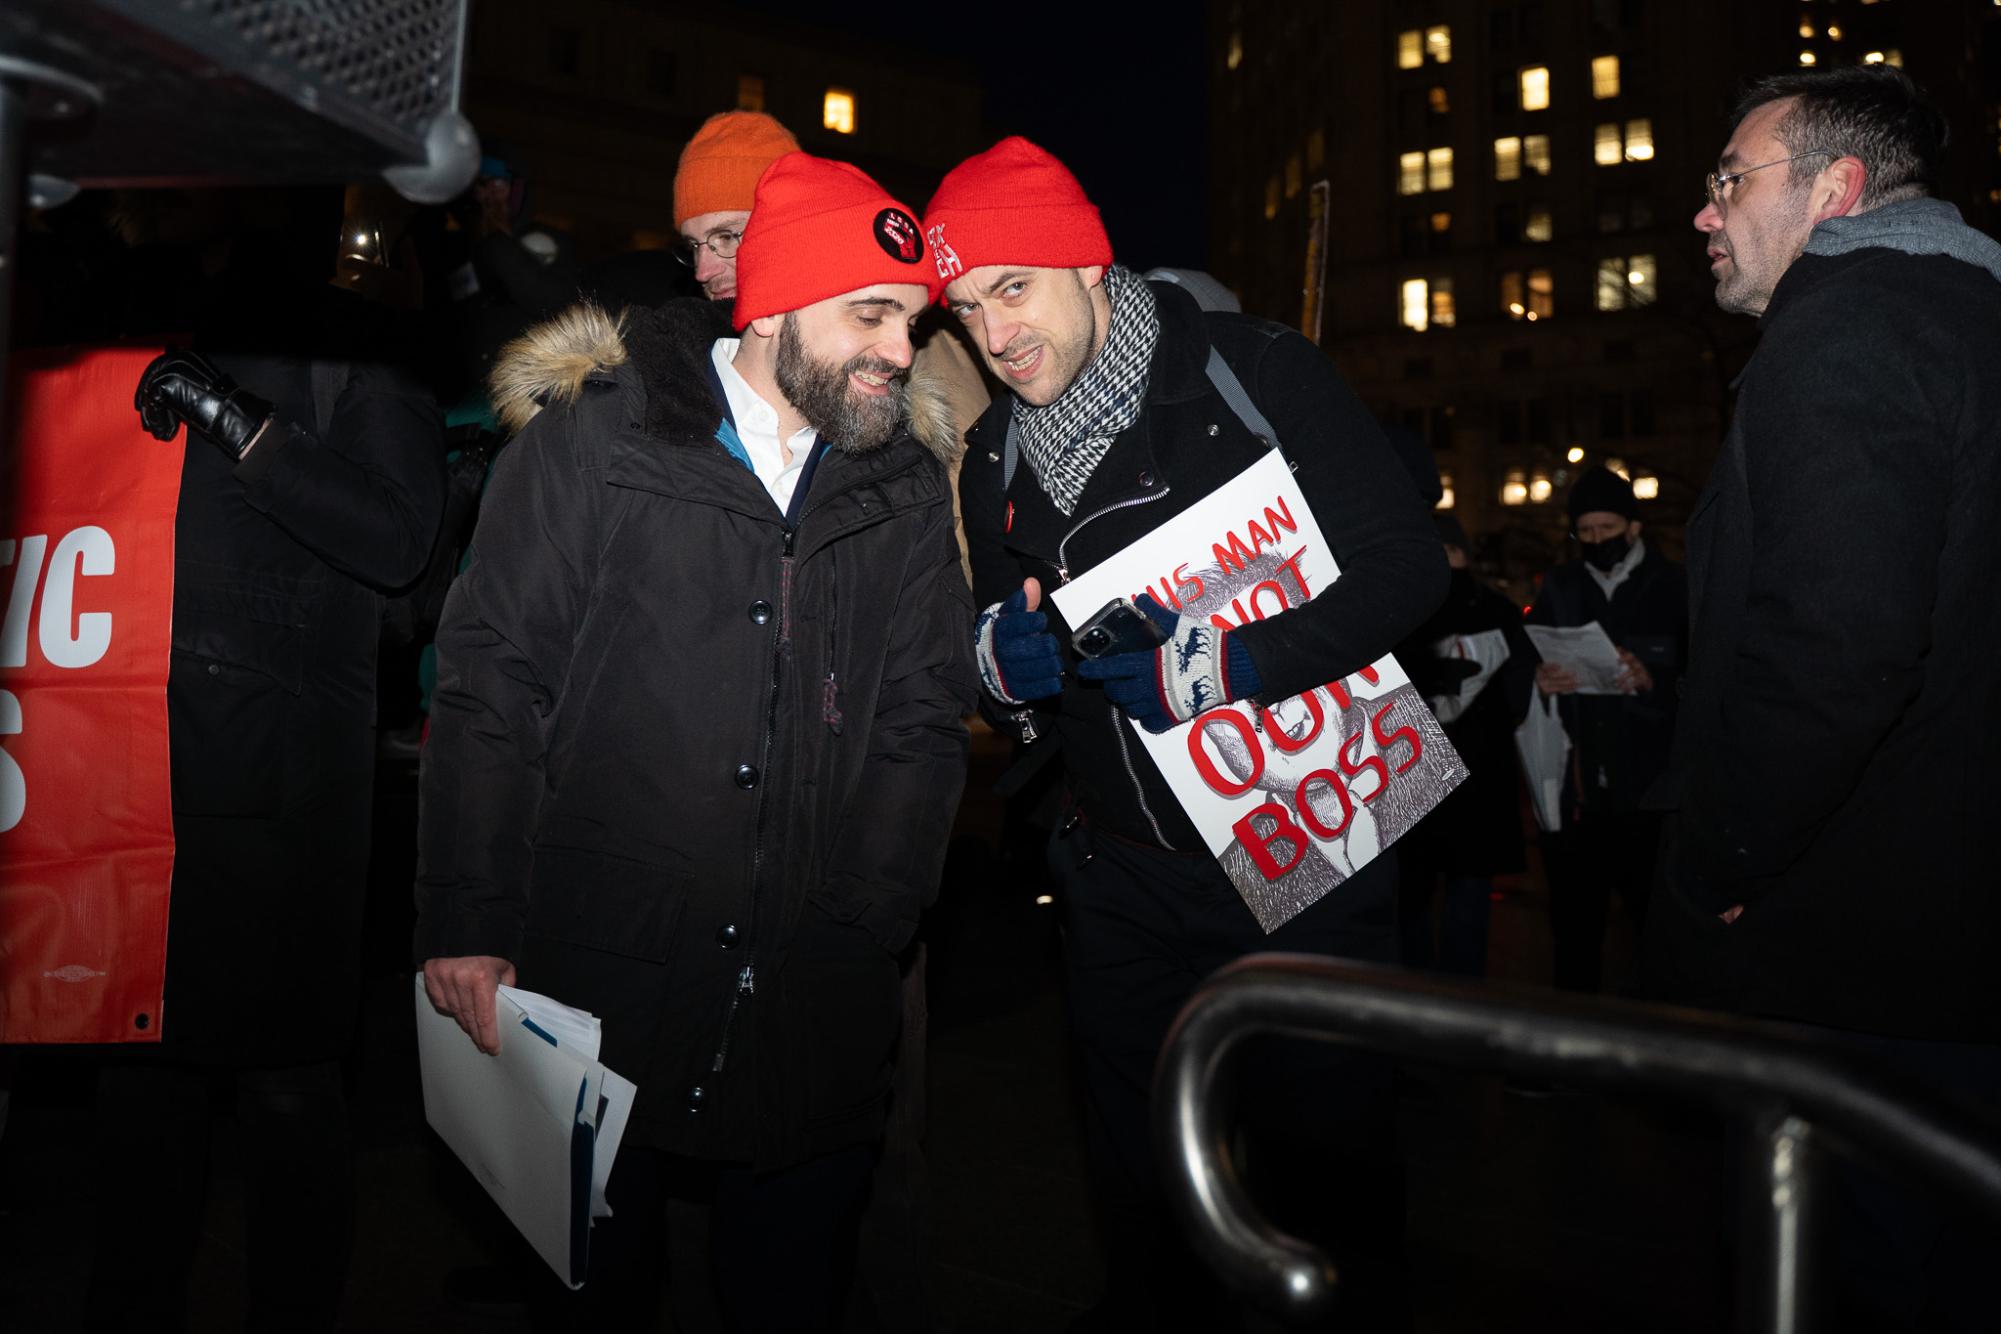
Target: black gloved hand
pixel 183 387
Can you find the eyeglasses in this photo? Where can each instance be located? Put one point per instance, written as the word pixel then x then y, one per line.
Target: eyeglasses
pixel 1718 182
pixel 721 242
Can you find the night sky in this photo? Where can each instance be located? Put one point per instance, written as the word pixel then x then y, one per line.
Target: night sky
pixel 1124 105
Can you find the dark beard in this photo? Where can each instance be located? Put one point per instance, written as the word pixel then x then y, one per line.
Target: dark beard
pixel 820 392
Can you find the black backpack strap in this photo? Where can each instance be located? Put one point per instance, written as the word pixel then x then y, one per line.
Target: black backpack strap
pixel 1233 392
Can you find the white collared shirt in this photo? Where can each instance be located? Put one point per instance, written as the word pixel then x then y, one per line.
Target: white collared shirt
pixel 757 427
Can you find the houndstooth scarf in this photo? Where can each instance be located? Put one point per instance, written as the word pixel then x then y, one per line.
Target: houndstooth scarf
pixel 1064 441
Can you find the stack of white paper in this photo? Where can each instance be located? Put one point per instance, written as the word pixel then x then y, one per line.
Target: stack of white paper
pixel 539 1124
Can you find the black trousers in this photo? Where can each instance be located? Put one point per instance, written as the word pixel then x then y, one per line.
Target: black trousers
pixel 781 1244
pixel 1596 855
pixel 1143 928
pixel 155 1121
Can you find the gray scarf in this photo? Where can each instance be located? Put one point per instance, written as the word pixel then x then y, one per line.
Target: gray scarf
pixel 1914 226
pixel 1065 440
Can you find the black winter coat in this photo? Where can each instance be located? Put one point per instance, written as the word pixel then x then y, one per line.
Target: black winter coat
pixel 1477 829
pixel 278 565
pixel 1186 443
pixel 1619 743
pixel 690 769
pixel 1841 729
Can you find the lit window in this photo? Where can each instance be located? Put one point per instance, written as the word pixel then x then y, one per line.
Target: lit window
pixel 1807 29
pixel 1625 283
pixel 1316 150
pixel 1438 44
pixel 1515 490
pixel 1872 58
pixel 1604 76
pixel 1441 223
pixel 1542 294
pixel 1530 296
pixel 1415 304
pixel 1646 487
pixel 1236 55
pixel 1540 488
pixel 1576 454
pixel 1606 148
pixel 750 92
pixel 1437 100
pixel 1534 86
pixel 837 111
pixel 1894 57
pixel 1446 497
pixel 1538 226
pixel 1271 199
pixel 1508 159
pixel 1292 176
pixel 1410 49
pixel 1640 140
pixel 1443 313
pixel 1438 168
pixel 1834 32
pixel 1807 58
pixel 1410 173
pixel 1535 154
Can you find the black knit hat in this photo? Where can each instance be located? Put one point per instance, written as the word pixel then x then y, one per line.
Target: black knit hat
pixel 1603 489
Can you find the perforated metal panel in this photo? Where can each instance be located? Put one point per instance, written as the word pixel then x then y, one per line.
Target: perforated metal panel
pixel 222 91
pixel 398 57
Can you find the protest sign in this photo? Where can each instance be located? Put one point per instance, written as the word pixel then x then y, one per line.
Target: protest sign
pixel 86 818
pixel 1292 797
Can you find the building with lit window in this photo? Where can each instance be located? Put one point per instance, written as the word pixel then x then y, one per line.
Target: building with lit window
pixel 1482 209
pixel 595 98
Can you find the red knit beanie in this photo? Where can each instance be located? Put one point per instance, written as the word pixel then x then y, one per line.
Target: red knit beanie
pixel 818 229
pixel 1013 204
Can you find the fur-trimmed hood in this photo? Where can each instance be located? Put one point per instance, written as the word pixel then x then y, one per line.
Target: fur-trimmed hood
pixel 667 347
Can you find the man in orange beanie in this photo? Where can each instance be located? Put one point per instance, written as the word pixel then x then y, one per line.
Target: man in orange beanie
pixel 697 741
pixel 713 189
pixel 1119 421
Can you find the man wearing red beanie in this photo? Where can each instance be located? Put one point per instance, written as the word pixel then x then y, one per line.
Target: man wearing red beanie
pixel 697 742
pixel 1117 423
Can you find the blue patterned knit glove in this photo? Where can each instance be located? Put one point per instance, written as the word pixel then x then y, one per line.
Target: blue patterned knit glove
pixel 1018 657
pixel 1198 668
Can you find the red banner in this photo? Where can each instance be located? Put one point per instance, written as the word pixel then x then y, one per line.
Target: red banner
pixel 86 817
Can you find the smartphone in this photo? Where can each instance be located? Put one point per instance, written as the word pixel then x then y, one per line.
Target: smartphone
pixel 1117 627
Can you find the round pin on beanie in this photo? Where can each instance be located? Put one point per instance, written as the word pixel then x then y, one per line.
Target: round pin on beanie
pixel 720 166
pixel 1013 204
pixel 819 228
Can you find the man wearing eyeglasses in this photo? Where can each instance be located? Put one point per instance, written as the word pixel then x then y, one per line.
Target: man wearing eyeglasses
pixel 1831 861
pixel 713 188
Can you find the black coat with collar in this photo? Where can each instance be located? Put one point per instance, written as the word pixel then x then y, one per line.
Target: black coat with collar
pixel 674 741
pixel 1186 443
pixel 1620 743
pixel 1841 724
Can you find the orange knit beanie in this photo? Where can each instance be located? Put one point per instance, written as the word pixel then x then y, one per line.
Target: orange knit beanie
pixel 720 166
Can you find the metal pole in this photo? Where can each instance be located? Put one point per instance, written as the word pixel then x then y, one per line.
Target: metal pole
pixel 1777 1284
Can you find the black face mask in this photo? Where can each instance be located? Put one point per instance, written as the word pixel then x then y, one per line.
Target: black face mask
pixel 1606 554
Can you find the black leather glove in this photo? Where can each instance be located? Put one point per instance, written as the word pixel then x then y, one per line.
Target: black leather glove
pixel 183 387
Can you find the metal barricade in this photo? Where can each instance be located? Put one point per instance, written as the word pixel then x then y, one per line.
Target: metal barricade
pixel 1789 1087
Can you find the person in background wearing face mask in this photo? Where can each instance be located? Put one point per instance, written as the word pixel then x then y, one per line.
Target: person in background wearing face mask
pixel 1619 743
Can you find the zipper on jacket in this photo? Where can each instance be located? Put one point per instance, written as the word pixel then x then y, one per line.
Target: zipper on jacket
pixel 746 978
pixel 1119 730
pixel 1063 560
